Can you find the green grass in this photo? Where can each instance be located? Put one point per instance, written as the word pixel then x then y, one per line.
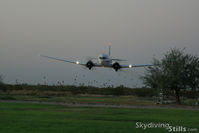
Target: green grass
pixel 42 118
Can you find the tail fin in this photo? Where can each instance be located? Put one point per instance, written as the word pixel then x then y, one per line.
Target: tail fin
pixel 109 48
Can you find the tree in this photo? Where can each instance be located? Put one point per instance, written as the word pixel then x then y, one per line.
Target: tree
pixel 177 71
pixel 1 83
pixel 192 72
pixel 1 80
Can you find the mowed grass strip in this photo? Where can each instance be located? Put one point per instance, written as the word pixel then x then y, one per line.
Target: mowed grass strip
pixel 43 118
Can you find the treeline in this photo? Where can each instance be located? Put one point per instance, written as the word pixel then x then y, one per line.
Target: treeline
pixel 46 90
pixel 61 90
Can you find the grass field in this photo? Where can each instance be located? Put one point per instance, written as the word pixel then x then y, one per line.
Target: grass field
pixel 42 118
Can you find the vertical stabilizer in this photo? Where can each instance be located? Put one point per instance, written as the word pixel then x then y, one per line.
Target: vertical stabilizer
pixel 109 49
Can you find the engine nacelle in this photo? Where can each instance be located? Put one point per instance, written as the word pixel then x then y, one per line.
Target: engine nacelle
pixel 89 65
pixel 116 66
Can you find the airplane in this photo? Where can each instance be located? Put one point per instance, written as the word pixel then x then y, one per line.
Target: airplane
pixel 103 60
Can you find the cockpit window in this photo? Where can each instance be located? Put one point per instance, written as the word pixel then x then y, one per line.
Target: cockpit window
pixel 102 58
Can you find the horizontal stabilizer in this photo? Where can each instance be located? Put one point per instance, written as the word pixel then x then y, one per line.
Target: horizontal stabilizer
pixel 118 60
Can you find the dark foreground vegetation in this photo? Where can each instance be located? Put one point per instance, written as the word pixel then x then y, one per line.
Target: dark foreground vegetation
pixel 47 90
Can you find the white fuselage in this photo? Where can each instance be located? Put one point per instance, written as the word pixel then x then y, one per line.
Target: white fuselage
pixel 104 60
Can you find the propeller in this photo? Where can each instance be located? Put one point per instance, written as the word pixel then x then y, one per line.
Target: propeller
pixel 116 66
pixel 88 65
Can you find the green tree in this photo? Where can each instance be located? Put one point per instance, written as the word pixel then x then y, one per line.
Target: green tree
pixel 192 72
pixel 1 79
pixel 2 87
pixel 177 71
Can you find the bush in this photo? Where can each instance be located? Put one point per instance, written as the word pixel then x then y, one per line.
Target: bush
pixel 43 90
pixel 145 92
pixel 1 80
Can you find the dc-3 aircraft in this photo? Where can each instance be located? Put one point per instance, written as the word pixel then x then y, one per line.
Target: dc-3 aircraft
pixel 103 60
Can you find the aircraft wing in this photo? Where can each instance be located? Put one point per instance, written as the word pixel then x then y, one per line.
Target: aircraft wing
pixel 64 60
pixel 132 66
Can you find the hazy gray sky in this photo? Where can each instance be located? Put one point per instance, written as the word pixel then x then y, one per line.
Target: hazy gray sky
pixel 75 29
